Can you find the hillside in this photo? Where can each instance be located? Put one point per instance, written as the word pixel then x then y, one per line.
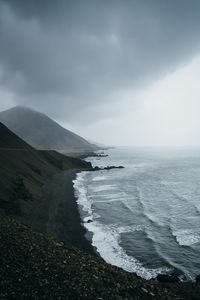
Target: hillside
pixel 36 266
pixel 8 140
pixel 24 170
pixel 41 132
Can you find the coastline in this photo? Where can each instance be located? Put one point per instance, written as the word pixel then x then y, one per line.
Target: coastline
pixel 36 265
pixel 58 212
pixel 161 274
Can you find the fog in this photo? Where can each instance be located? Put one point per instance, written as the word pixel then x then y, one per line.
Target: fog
pixel 165 114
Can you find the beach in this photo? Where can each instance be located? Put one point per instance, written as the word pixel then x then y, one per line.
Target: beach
pixel 45 255
pixel 57 213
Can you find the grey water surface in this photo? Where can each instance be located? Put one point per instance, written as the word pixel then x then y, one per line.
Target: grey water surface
pixel 145 218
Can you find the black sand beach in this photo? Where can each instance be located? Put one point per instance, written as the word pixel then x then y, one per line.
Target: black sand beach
pixel 58 213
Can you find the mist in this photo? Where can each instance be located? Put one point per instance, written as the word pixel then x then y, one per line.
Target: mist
pixel 165 114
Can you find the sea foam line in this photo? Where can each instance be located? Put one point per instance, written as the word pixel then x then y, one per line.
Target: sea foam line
pixel 106 238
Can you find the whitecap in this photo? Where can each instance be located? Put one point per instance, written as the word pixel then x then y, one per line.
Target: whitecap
pixel 106 238
pixel 102 188
pixel 81 193
pixel 99 178
pixel 187 237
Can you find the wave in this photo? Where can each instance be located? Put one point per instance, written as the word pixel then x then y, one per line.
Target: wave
pixel 107 197
pixel 184 199
pixel 144 210
pixel 81 192
pixel 99 178
pixel 106 238
pixel 101 188
pixel 187 237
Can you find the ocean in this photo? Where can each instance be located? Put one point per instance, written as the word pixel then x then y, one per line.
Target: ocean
pixel 144 218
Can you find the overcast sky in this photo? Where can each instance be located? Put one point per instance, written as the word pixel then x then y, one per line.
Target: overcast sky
pixel 118 72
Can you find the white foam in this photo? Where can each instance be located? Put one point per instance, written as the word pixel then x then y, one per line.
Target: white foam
pixel 81 193
pixel 133 228
pixel 106 238
pixel 108 201
pixel 102 188
pixel 99 178
pixel 114 195
pixel 187 237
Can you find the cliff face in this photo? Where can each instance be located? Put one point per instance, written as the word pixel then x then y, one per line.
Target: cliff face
pixel 24 170
pixel 42 132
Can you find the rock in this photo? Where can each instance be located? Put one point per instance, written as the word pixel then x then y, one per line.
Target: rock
pixel 198 278
pixel 113 167
pixel 97 168
pixel 168 278
pixel 89 221
pixel 106 168
pixel 60 244
pixel 144 290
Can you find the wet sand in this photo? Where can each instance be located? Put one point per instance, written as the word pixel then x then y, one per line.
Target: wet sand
pixel 58 213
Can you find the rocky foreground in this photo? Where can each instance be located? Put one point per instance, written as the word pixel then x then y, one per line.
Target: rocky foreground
pixel 35 266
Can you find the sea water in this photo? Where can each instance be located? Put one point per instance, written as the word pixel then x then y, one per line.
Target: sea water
pixel 144 218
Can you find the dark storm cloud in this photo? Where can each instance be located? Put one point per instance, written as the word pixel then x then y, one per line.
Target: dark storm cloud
pixel 64 55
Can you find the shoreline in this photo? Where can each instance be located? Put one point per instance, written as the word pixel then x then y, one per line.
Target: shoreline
pixel 163 277
pixel 66 266
pixel 58 212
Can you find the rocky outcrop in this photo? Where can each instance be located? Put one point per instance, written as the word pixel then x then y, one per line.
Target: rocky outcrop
pixel 107 168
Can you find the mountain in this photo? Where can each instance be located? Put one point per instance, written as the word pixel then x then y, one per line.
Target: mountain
pixel 41 132
pixel 24 170
pixel 9 140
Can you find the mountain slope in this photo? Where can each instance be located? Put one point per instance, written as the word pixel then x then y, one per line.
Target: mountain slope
pixel 8 140
pixel 24 170
pixel 41 132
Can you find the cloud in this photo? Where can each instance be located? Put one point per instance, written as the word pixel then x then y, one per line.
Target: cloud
pixel 78 59
pixel 166 114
